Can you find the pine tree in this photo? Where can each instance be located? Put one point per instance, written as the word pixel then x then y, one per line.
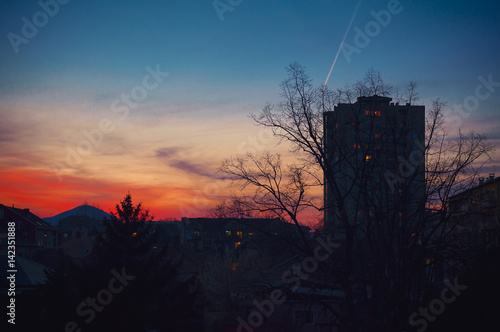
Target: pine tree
pixel 131 281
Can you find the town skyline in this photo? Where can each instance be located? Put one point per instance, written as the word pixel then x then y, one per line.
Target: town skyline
pixel 104 98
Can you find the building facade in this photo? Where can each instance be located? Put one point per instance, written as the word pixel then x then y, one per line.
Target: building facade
pixel 374 158
pixel 33 234
pixel 475 214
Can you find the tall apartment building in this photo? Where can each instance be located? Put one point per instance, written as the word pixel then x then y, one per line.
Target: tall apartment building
pixel 375 162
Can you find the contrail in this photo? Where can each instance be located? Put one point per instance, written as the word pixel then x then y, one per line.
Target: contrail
pixel 342 43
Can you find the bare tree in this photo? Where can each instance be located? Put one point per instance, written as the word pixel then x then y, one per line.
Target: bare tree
pixel 409 96
pixel 390 251
pixel 273 189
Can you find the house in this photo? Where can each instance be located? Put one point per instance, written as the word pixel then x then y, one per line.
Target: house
pixel 212 235
pixel 33 235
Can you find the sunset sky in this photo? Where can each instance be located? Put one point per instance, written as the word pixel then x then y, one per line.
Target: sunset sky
pixel 69 135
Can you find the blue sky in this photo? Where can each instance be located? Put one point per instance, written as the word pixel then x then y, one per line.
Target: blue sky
pixel 64 79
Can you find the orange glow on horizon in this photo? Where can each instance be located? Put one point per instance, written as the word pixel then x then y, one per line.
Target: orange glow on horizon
pixel 40 191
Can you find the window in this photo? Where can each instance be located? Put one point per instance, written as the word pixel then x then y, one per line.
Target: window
pixel 19 224
pixel 368 157
pixel 228 233
pixel 250 234
pixel 378 135
pixel 376 113
pixel 303 317
pixel 236 244
pixel 239 234
pixel 235 265
pixel 356 146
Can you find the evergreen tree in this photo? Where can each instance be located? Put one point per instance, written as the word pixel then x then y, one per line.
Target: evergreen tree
pixel 130 282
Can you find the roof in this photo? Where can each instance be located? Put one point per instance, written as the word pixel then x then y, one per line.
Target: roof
pixel 220 224
pixel 30 217
pixel 479 186
pixel 29 273
pixel 374 98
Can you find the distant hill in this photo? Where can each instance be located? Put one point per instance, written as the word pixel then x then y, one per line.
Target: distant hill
pixel 82 210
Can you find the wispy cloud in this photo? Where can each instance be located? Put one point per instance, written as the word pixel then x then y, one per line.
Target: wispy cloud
pixel 179 158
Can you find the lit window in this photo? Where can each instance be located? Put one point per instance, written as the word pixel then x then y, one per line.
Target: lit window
pixel 378 135
pixel 228 233
pixel 356 146
pixel 235 265
pixel 250 234
pixel 372 213
pixel 237 244
pixel 134 234
pixel 239 234
pixel 368 157
pixel 367 112
pixel 378 113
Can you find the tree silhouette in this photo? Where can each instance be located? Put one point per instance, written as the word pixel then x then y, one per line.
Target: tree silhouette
pixel 395 249
pixel 131 281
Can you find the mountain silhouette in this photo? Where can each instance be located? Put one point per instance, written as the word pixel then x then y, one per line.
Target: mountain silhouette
pixel 82 210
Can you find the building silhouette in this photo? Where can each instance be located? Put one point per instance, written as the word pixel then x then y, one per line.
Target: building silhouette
pixel 374 152
pixel 475 214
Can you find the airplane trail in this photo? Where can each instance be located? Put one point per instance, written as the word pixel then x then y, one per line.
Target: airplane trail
pixel 342 44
